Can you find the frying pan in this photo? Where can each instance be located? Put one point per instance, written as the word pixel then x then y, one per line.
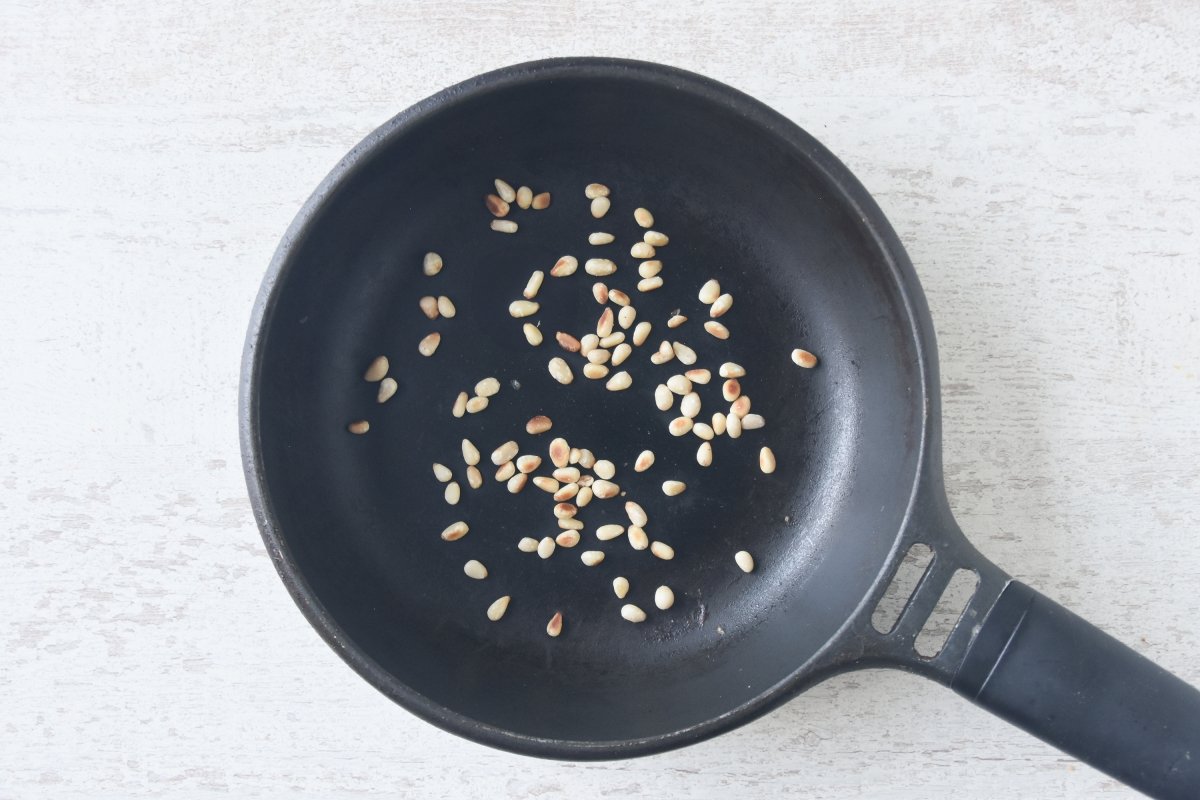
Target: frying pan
pixel 352 522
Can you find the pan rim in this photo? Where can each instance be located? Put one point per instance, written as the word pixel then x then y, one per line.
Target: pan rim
pixel 818 666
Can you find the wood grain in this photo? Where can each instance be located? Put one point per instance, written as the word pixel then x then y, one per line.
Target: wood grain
pixel 1040 162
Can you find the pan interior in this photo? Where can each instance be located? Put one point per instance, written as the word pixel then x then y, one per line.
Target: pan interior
pixel 359 516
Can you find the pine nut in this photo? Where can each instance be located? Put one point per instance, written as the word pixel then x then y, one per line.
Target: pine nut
pixel 446 307
pixel 587 459
pixel 546 484
pixel 496 610
pixel 605 469
pixel 567 492
pixel 460 404
pixel 604 325
pixel 598 355
pixel 744 560
pixel 680 425
pixel 703 430
pixel 650 284
pixel 545 547
pixel 731 390
pixel 475 569
pixel 618 297
pixel 429 345
pixel 595 371
pixel 527 544
pixel 600 206
pixel 766 460
pixel 560 452
pixel 662 550
pixel 505 453
pixel 573 455
pixel 643 217
pixel 455 531
pixel 704 454
pixel 432 264
pixel 488 387
pixel 594 190
pixel 567 539
pixel 644 461
pixel 803 358
pixel 565 510
pixel 555 625
pixel 571 524
pixel 685 354
pixel 533 284
pixel 505 190
pixel 567 342
pixel 387 388
pixel 718 423
pixel 604 489
pixel 689 406
pixel 613 339
pixel 429 306
pixel 632 613
pixel 360 427
pixel 560 371
pixel 532 334
pixel 673 488
pixel 638 539
pixel 636 514
pixel 665 353
pixel 620 354
pixel 608 532
pixel 741 407
pixel 442 472
pixel 541 201
pixel 504 226
pixel 676 321
pixel 664 598
pixel 524 197
pixel 470 453
pixel 477 404
pixel 528 464
pixel 591 557
pixel 640 332
pixel 474 477
pixel 752 422
pixel 733 426
pixel 599 291
pixel 584 497
pixel 599 267
pixel 566 474
pixel 620 587
pixel 496 205
pixel 731 370
pixel 679 384
pixel 453 493
pixel 701 376
pixel 619 382
pixel 716 329
pixel 710 291
pixel 642 250
pixel 650 269
pixel 663 397
pixel 626 315
pixel 655 238
pixel 721 306
pixel 599 237
pixel 522 308
pixel 564 266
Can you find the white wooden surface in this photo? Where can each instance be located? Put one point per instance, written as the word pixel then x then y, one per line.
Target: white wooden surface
pixel 1040 162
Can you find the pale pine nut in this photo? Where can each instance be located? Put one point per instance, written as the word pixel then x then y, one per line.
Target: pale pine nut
pixel 619 382
pixel 803 358
pixel 475 569
pixel 522 308
pixel 538 424
pixel 740 407
pixel 663 397
pixel 567 492
pixel 620 587
pixel 655 238
pixel 360 427
pixel 664 354
pixel 613 339
pixel 731 370
pixel 460 404
pixel 524 197
pixel 599 237
pixel 766 460
pixel 752 422
pixel 650 269
pixel 571 524
pixel 432 264
pixel 595 371
pixel 587 459
pixel 600 206
pixel 680 425
pixel 679 384
pixel 733 426
pixel 545 547
pixel 429 306
pixel 564 266
pixel 599 291
pixel 532 334
pixel 700 376
pixel 716 329
pixel 560 452
pixel 673 488
pixel 528 464
pixel 605 469
pixel 560 371
pixel 664 598
pixel 619 355
pixel 618 297
pixel 533 284
pixel 455 531
pixel 505 453
pixel 626 315
pixel 604 325
pixel 703 430
pixel 470 453
pixel 527 544
pixel 591 557
pixel 642 250
pixel 662 550
pixel 540 201
pixel 605 490
pixel 632 613
pixel 721 306
pixel 584 497
pixel 607 532
pixel 504 226
pixel 446 307
pixel 496 205
pixel 640 332
pixel 506 471
pixel 546 484
pixel 429 345
pixel 477 404
pixel 689 406
pixel 643 217
pixel 566 474
pixel 574 455
pixel 644 461
pixel 685 354
pixel 731 390
pixel 704 454
pixel 496 610
pixel 567 342
pixel 636 514
pixel 718 423
pixel 505 190
pixel 710 291
pixel 744 560
pixel 638 539
pixel 650 284
pixel 676 321
pixel 442 472
pixel 594 190
pixel 387 388
pixel 567 539
pixel 555 625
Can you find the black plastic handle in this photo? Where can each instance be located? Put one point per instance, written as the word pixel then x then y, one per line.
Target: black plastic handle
pixel 1048 671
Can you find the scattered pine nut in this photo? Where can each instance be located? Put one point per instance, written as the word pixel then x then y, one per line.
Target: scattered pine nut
pixel 679 384
pixel 496 205
pixel 474 477
pixel 488 387
pixel 680 425
pixel 716 329
pixel 528 464
pixel 643 217
pixel 587 459
pixel 599 267
pixel 460 404
pixel 655 238
pixel 453 493
pixel 703 430
pixel 432 264
pixel 567 539
pixel 604 325
pixel 664 598
pixel 560 371
pixel 733 426
pixel 475 569
pixel 527 544
pixel 731 390
pixel 429 306
pixel 685 354
pixel 605 469
pixel 600 206
pixel 718 423
pixel 524 197
pixel 588 343
pixel 545 547
pixel 555 625
pixel 673 488
pixel 710 291
pixel 704 454
pixel 740 407
pixel 546 484
pixel 721 306
pixel 613 339
pixel 571 524
pixel 446 307
pixel 584 497
pixel 564 266
pixel 636 514
pixel 701 376
pixel 638 539
pixel 731 370
pixel 599 237
pixel 477 404
pixel 676 321
pixel 533 284
pixel 504 226
pixel 662 550
pixel 560 452
pixel 541 201
pixel 377 369
pixel 470 453
pixel 642 250
pixel 505 453
pixel 567 342
pixel 594 190
pixel 605 489
pixel 664 354
pixel 640 332
pixel 620 587
pixel 644 461
pixel 566 474
pixel 455 531
pixel 632 613
pixel 607 532
pixel 689 406
pixel 496 610
pixel 387 388
pixel 536 425
pixel 595 371
pixel 650 269
pixel 626 315
pixel 803 358
pixel 599 291
pixel 744 560
pixel 752 422
pixel 505 190
pixel 650 284
pixel 573 455
pixel 591 557
pixel 619 382
pixel 442 472
pixel 766 460
pixel 567 492
pixel 598 355
pixel 663 397
pixel 360 427
pixel 620 354
pixel 565 510
pixel 618 297
pixel 522 308
pixel 532 334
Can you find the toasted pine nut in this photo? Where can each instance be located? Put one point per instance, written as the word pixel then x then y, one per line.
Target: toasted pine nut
pixel 429 345
pixel 496 610
pixel 505 453
pixel 488 387
pixel 636 514
pixel 567 492
pixel 679 384
pixel 640 332
pixel 605 489
pixel 731 370
pixel 429 306
pixel 567 342
pixel 594 190
pixel 477 404
pixel 656 238
pixel 622 352
pixel 455 531
pixel 524 197
pixel 664 598
pixel 650 284
pixel 387 388
pixel 533 284
pixel 680 425
pixel 555 625
pixel 663 397
pixel 532 334
pixel 522 308
pixel 600 206
pixel 662 550
pixel 650 269
pixel 803 358
pixel 567 538
pixel 442 472
pixel 643 217
pixel 546 484
pixel 676 321
pixel 496 205
pixel 626 315
pixel 541 201
pixel 685 354
pixel 672 488
pixel 536 425
pixel 360 427
pixel 600 292
pixel 740 407
pixel 475 569
pixel 620 587
pixel 566 474
pixel 605 469
pixel 591 557
pixel 701 376
pixel 528 464
pixel 618 297
pixel 505 190
pixel 704 454
pixel 731 390
pixel 506 471
pixel 620 381
pixel 703 430
pixel 545 547
pixel 470 452
pixel 560 452
pixel 718 423
pixel 744 560
pixel 632 613
pixel 638 539
pixel 716 329
pixel 722 305
pixel 604 325
pixel 642 250
pixel 733 426
pixel 607 532
pixel 644 461
pixel 504 226
pixel 527 544
pixel 752 422
pixel 599 237
pixel 564 266
pixel 584 497
pixel 595 371
pixel 560 371
pixel 665 353
pixel 432 264
pixel 689 406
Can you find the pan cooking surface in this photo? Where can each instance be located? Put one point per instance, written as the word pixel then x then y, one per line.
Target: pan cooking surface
pixel 359 516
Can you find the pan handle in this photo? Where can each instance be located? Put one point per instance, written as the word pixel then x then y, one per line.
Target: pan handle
pixel 1048 671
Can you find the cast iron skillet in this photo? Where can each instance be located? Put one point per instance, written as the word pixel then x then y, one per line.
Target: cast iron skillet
pixel 352 522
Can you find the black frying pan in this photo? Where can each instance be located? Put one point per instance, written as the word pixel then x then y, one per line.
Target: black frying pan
pixel 352 522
